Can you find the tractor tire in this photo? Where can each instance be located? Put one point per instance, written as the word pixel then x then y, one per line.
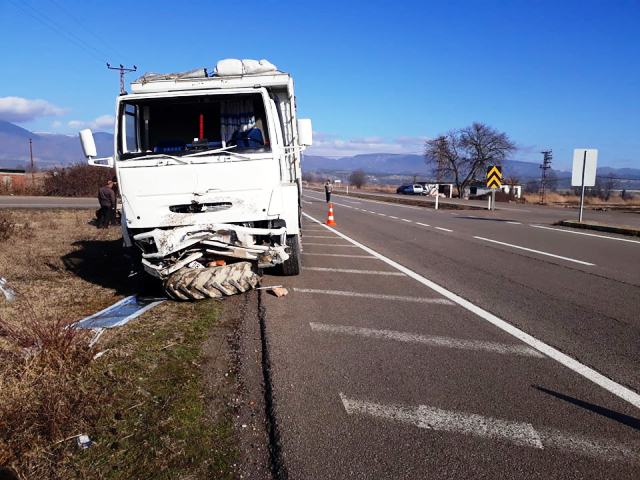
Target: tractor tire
pixel 212 282
pixel 293 266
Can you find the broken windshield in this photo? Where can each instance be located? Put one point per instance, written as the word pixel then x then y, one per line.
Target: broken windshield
pixel 208 124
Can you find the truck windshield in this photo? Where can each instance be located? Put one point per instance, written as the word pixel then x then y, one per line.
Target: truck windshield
pixel 185 125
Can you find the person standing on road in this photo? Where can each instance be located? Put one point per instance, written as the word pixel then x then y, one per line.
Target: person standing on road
pixel 107 200
pixel 328 188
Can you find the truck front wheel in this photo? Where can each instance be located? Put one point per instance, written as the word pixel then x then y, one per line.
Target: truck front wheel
pixel 293 265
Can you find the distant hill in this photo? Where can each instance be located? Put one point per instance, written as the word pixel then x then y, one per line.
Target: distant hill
pixel 49 150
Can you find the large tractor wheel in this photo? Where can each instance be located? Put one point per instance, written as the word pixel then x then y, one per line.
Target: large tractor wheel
pixel 293 265
pixel 212 282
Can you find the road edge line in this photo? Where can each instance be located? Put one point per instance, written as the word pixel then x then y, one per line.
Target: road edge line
pixel 587 372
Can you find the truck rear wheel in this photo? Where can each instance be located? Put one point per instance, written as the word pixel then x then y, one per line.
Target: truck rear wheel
pixel 212 282
pixel 293 266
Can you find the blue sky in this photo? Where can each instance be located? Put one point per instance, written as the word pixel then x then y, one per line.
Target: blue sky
pixel 375 76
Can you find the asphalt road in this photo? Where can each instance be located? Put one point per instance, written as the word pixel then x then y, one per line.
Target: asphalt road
pixel 456 344
pixel 15 201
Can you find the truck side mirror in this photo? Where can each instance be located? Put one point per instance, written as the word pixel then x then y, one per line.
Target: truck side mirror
pixel 89 149
pixel 88 143
pixel 305 132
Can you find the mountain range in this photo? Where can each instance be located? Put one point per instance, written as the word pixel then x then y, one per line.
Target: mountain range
pixel 57 150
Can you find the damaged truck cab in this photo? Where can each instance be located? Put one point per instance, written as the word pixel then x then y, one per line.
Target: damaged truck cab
pixel 208 167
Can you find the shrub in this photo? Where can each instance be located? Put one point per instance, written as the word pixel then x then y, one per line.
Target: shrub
pixel 76 181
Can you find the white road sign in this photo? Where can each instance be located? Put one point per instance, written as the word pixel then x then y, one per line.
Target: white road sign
pixel 590 164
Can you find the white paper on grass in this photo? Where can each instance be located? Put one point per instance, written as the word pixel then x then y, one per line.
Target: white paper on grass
pixel 590 167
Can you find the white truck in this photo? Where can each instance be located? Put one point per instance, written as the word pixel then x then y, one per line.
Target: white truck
pixel 208 169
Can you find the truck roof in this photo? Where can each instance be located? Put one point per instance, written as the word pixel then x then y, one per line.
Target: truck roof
pixel 200 79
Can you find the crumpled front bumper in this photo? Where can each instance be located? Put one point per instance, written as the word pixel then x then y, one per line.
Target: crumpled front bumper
pixel 189 243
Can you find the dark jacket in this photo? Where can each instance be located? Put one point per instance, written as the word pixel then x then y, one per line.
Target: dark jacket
pixel 107 197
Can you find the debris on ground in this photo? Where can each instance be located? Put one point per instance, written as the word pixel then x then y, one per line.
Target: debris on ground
pixel 84 441
pixel 8 292
pixel 279 291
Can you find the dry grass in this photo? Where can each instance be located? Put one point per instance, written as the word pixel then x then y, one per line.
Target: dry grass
pixel 557 198
pixel 142 402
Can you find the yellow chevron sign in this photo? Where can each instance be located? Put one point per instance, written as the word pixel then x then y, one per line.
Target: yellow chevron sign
pixel 494 176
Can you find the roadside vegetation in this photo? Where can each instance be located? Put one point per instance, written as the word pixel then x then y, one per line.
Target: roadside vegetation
pixel 138 393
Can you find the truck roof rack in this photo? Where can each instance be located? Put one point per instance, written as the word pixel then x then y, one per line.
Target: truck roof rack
pixel 229 73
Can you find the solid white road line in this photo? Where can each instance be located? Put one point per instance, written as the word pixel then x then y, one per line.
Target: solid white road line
pixel 443 229
pixel 337 255
pixel 430 340
pixel 586 234
pixel 619 390
pixel 519 433
pixel 423 224
pixel 351 270
pixel 539 252
pixel 515 223
pixel 329 245
pixel 377 296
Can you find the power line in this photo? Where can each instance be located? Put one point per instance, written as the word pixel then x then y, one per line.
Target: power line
pixel 546 165
pixel 52 25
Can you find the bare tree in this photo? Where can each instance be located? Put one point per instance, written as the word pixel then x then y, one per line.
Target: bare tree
pixel 463 155
pixel 358 178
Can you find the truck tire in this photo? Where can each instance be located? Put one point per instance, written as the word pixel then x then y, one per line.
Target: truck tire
pixel 293 265
pixel 212 282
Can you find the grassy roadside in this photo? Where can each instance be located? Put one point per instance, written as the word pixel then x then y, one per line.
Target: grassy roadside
pixel 140 394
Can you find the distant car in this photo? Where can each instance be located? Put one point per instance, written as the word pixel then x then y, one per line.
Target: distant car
pixel 410 189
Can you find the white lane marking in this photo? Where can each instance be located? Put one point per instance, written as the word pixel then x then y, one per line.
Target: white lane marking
pixel 405 220
pixel 378 296
pixel 337 255
pixel 329 245
pixel 423 224
pixel 613 387
pixel 443 229
pixel 391 216
pixel 536 251
pixel 515 223
pixel 518 433
pixel 586 234
pixel 431 418
pixel 382 214
pixel 351 270
pixel 318 236
pixel 430 340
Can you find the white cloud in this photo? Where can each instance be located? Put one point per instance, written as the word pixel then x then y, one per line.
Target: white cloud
pixel 331 145
pixel 18 109
pixel 103 122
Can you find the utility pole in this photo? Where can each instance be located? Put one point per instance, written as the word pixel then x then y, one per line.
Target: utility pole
pixel 122 69
pixel 546 165
pixel 33 175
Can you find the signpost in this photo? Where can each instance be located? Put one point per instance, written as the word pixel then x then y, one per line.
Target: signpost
pixel 583 175
pixel 494 181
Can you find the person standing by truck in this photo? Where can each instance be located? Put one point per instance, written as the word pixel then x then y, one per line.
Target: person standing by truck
pixel 328 188
pixel 107 200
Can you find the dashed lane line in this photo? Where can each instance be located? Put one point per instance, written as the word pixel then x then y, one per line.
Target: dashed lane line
pixel 423 224
pixel 589 373
pixel 391 216
pixel 338 255
pixel 518 433
pixel 353 270
pixel 539 252
pixel 377 296
pixel 514 223
pixel 443 229
pixel 430 340
pixel 405 220
pixel 586 234
pixel 329 245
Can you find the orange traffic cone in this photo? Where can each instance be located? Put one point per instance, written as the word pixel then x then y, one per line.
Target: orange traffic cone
pixel 330 220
